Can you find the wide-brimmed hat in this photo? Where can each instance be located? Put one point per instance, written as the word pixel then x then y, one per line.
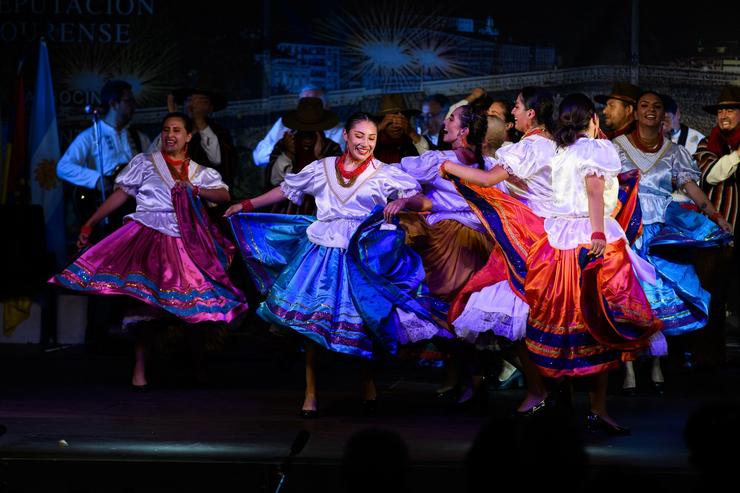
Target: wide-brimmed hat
pixel 310 116
pixel 622 91
pixel 201 86
pixel 729 97
pixel 395 103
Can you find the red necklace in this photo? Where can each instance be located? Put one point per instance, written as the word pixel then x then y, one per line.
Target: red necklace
pixel 533 131
pixel 351 175
pixel 635 139
pixel 172 164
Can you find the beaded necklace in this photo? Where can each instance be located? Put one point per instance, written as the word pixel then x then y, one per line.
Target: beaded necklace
pixel 350 176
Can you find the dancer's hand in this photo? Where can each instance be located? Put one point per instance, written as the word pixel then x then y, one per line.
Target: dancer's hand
pixel 233 209
pixel 597 247
pixel 393 208
pixel 84 238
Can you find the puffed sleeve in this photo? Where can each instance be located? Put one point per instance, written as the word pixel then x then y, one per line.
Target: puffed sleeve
pixel 399 184
pixel 132 176
pixel 209 178
pixel 597 157
pixel 296 185
pixel 424 168
pixel 518 159
pixel 684 168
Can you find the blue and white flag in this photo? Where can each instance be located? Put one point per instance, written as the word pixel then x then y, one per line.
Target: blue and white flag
pixel 46 189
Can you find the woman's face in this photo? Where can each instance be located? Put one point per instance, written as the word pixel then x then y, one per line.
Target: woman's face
pixel 524 119
pixel 174 135
pixel 650 111
pixel 361 140
pixel 453 127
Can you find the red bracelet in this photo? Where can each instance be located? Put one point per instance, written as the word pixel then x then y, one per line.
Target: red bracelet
pixel 598 235
pixel 715 216
pixel 86 230
pixel 247 205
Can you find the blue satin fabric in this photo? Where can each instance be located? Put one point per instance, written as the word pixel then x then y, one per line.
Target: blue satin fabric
pixel 344 300
pixel 677 298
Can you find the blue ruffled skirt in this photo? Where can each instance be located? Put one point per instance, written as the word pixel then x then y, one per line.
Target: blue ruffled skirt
pixel 677 297
pixel 356 301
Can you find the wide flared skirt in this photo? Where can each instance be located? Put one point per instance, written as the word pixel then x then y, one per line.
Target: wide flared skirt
pixel 356 301
pixel 451 252
pixel 586 314
pixel 678 297
pixel 144 264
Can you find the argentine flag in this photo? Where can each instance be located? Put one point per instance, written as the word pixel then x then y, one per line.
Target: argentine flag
pixel 46 189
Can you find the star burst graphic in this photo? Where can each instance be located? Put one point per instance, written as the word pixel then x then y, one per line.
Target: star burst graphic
pixel 149 70
pixel 392 47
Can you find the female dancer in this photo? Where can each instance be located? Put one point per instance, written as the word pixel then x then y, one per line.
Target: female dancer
pixel 167 254
pixel 488 304
pixel 677 297
pixel 341 280
pixel 450 239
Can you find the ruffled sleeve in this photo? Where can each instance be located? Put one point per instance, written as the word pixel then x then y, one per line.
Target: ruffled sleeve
pixel 518 159
pixel 684 168
pixel 597 157
pixel 399 184
pixel 132 176
pixel 424 168
pixel 209 178
pixel 296 185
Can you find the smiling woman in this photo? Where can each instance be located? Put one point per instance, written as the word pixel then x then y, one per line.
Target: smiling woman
pixel 677 297
pixel 167 255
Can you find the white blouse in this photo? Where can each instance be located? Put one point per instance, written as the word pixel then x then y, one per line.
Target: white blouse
pixel 528 163
pixel 661 172
pixel 340 209
pixel 148 179
pixel 568 223
pixel 447 203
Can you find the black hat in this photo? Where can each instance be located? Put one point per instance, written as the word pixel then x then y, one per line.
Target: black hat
pixel 310 115
pixel 621 91
pixel 395 103
pixel 204 87
pixel 729 97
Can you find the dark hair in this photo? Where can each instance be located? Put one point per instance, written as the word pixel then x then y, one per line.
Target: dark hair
pixel 541 101
pixel 188 123
pixel 440 99
pixel 483 102
pixel 654 93
pixel 513 134
pixel 575 112
pixel 474 119
pixel 669 104
pixel 360 116
pixel 112 91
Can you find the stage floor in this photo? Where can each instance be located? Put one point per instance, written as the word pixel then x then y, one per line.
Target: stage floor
pixel 73 424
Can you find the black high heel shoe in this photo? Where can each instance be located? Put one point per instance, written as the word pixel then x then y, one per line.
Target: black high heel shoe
pixel 448 396
pixel 537 409
pixel 595 423
pixel 309 413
